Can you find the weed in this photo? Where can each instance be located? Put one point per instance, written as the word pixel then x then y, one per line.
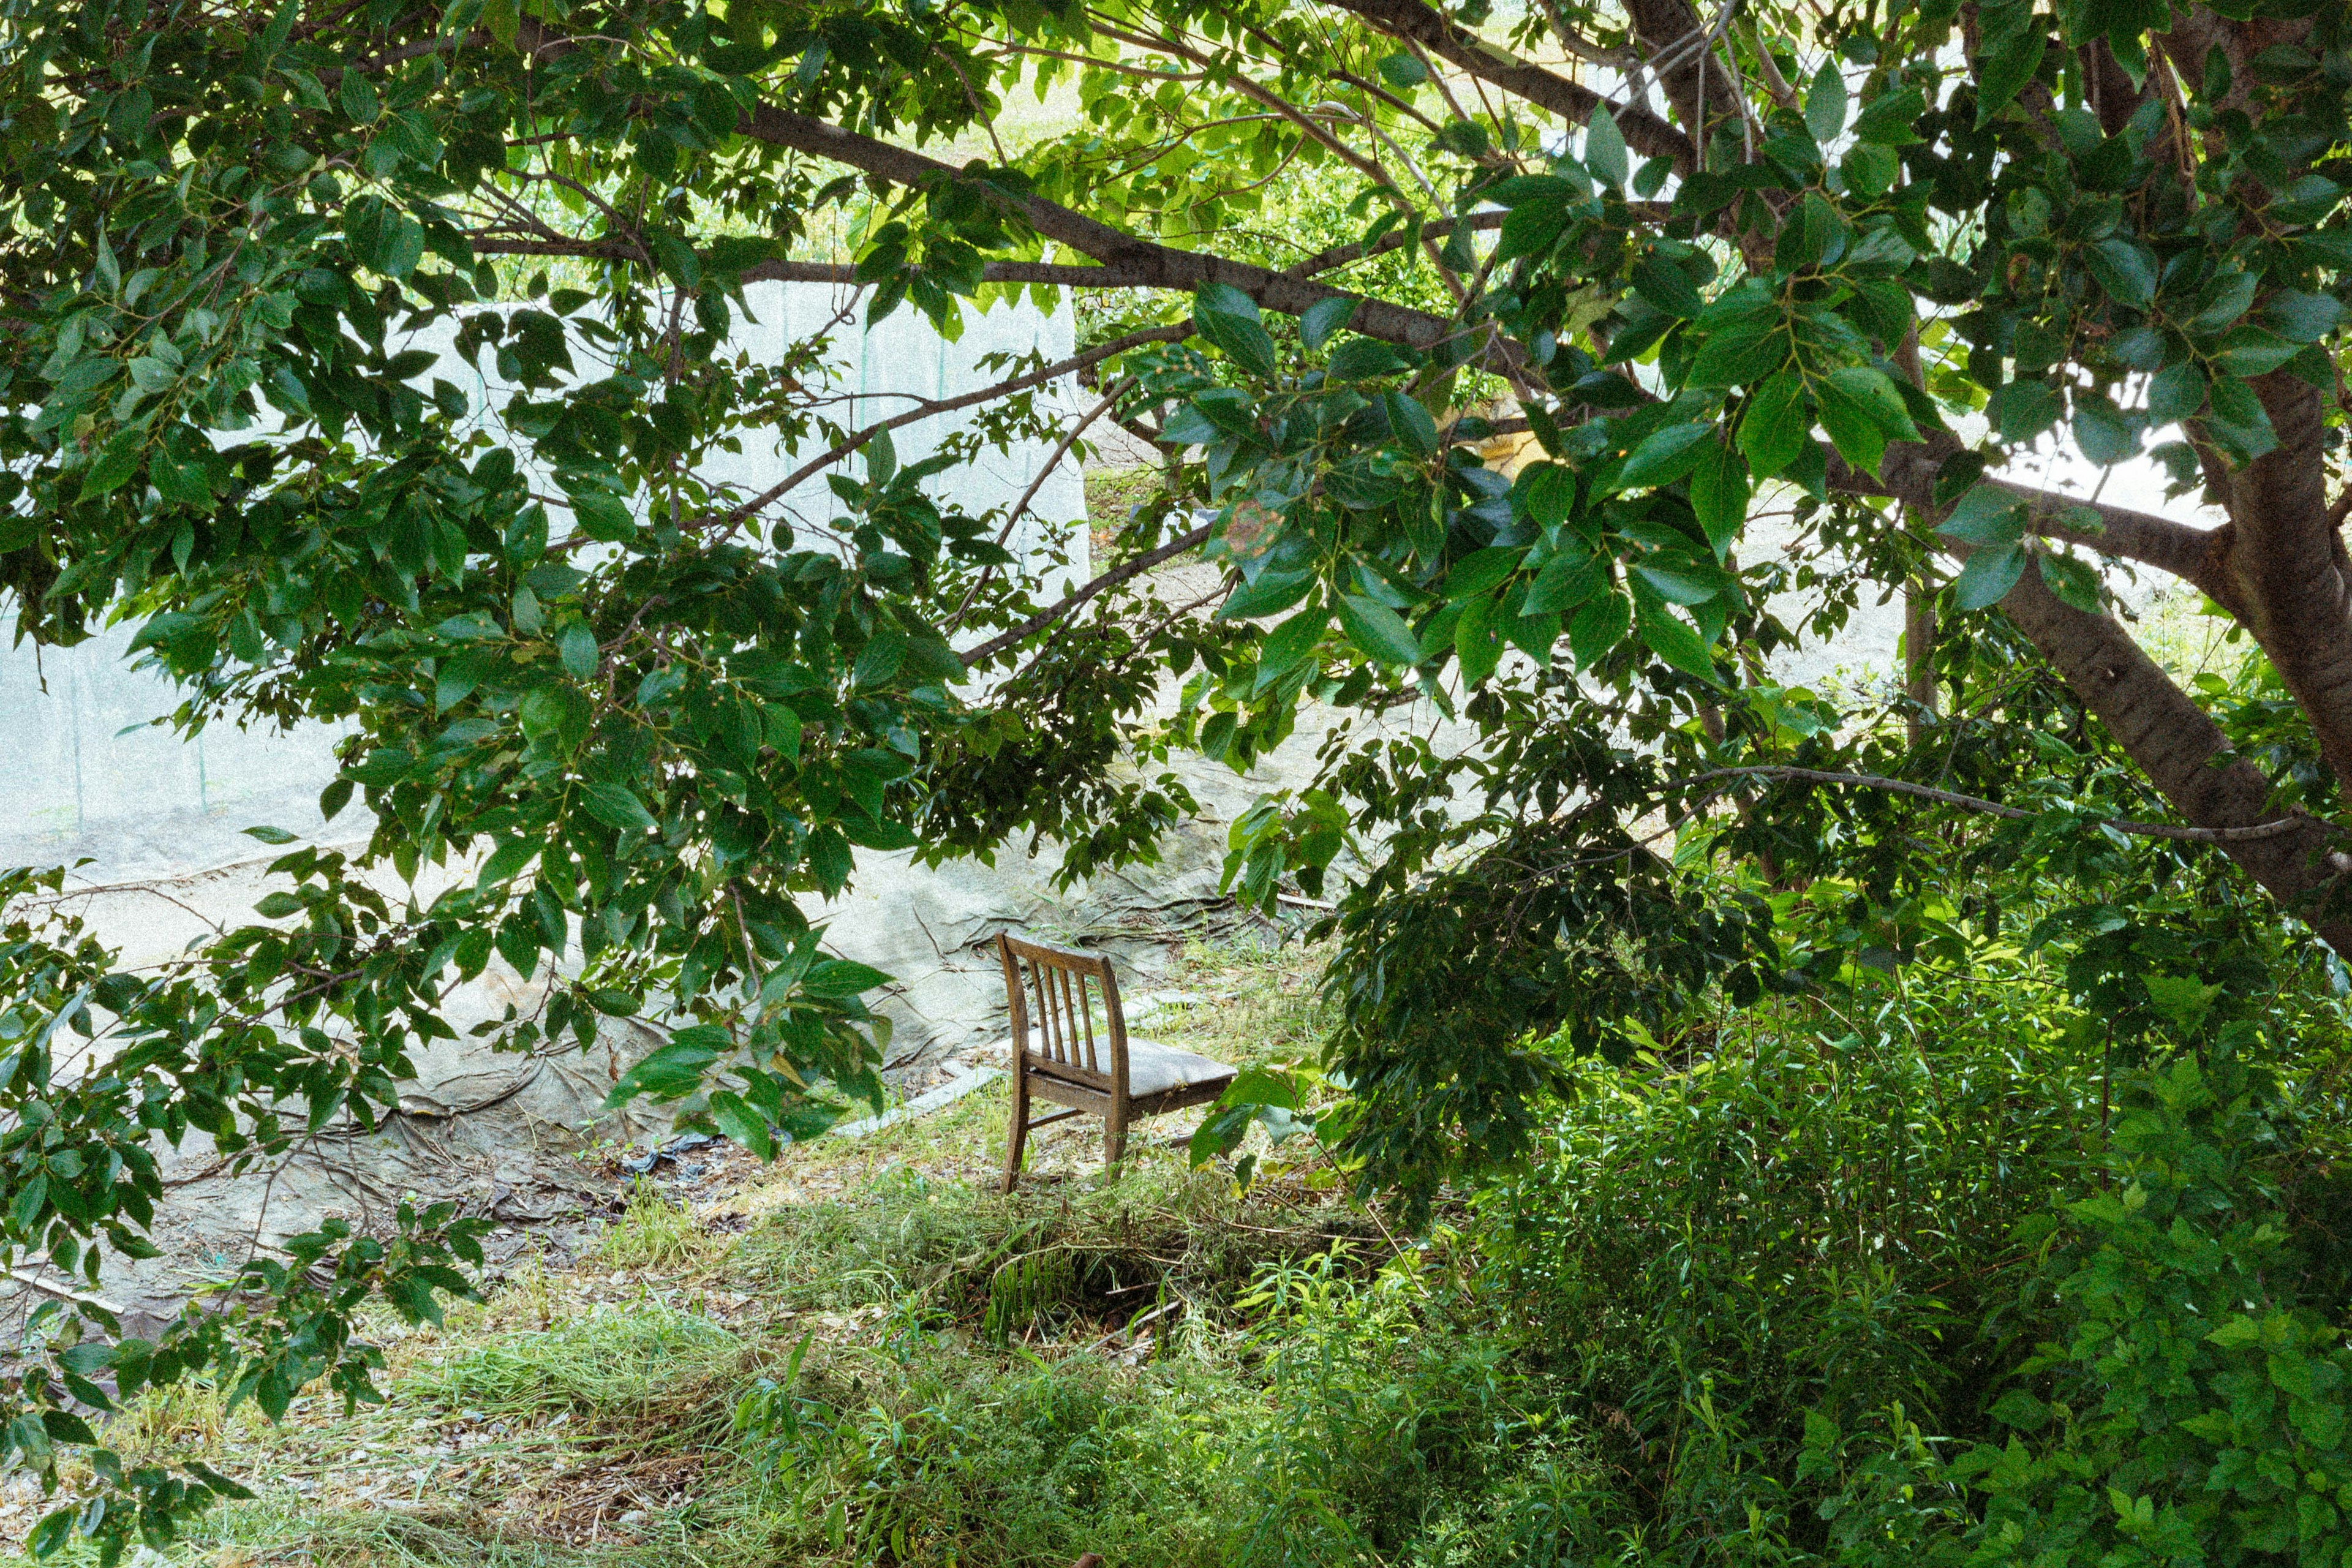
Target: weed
pixel 647 1371
pixel 656 1232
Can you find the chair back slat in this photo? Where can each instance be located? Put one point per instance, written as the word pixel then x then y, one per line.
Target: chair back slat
pixel 1054 994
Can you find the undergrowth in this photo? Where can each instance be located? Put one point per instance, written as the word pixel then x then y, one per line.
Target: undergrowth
pixel 1937 1275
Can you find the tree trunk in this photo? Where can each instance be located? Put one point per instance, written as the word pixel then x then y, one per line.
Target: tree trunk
pixel 1918 657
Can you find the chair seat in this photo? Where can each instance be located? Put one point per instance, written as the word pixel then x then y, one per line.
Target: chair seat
pixel 1154 1068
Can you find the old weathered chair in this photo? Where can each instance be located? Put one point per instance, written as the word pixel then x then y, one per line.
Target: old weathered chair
pixel 1061 1053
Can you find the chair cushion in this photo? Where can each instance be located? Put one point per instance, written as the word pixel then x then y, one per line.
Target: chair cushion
pixel 1154 1068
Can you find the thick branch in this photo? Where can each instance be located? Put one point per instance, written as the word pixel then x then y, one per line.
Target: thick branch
pixel 1150 264
pixel 1908 475
pixel 1412 20
pixel 2183 752
pixel 2175 547
pixel 2161 727
pixel 2289 568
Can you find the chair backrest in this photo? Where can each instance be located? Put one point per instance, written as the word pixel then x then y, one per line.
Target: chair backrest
pixel 1054 1017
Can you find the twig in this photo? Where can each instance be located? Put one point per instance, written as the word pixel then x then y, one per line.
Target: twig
pixel 851 443
pixel 1109 580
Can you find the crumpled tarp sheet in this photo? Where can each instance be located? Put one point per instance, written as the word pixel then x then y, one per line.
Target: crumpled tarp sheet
pixel 518 1136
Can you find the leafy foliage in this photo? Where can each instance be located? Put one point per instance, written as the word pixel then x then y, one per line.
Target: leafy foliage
pixel 630 717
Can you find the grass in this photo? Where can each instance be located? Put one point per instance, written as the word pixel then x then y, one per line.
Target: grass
pixel 869 1355
pixel 655 1232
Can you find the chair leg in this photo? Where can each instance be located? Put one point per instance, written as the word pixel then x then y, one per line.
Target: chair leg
pixel 1016 1138
pixel 1114 1135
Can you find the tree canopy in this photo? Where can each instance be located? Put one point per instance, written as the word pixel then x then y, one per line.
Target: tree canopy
pixel 1844 261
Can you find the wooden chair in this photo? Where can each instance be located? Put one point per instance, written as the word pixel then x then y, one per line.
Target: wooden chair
pixel 1060 1055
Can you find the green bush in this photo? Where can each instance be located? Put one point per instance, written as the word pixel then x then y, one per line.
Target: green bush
pixel 2193 1406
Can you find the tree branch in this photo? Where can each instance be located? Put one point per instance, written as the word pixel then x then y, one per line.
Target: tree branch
pixel 1151 265
pixel 2254 834
pixel 925 410
pixel 1409 20
pixel 1908 474
pixel 1107 581
pixel 2161 727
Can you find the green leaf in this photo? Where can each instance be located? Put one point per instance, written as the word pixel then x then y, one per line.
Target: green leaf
pixel 576 646
pixel 1877 394
pixel 2008 62
pixel 270 834
pixel 671 1072
pixel 841 977
pixel 2302 316
pixel 1475 643
pixel 1378 630
pixel 1320 320
pixel 1273 592
pixel 1671 580
pixel 1229 319
pixel 1566 582
pixel 1411 422
pixel 613 1004
pixel 1826 104
pixel 359 99
pixel 1987 515
pixel 1741 350
pixel 1718 495
pixel 117 461
pixel 1891 120
pixel 2174 393
pixel 2239 419
pixel 879 661
pixel 1663 457
pixel 1870 169
pixel 1672 640
pixel 2252 351
pixel 1604 151
pixel 616 807
pixel 2127 271
pixel 1403 71
pixel 741 1123
pixel 1810 236
pixel 603 517
pixel 2106 435
pixel 1366 359
pixel 2023 409
pixel 2074 582
pixel 1480 570
pixel 1774 427
pixel 1597 628
pixel 1853 427
pixel 1988 576
pixel 1289 644
pixel 1664 285
pixel 2223 300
